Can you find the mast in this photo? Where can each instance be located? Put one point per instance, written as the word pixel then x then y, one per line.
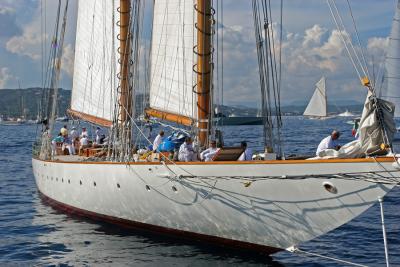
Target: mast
pixel 203 52
pixel 124 52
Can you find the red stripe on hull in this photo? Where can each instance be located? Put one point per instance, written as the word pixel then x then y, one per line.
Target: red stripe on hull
pixel 224 242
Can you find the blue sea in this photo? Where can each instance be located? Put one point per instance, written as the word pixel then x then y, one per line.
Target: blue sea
pixel 34 234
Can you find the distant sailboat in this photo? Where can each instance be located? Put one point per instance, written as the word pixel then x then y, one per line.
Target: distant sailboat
pixel 317 107
pixel 393 63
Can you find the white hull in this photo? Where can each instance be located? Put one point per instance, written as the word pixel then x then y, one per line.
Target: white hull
pixel 272 212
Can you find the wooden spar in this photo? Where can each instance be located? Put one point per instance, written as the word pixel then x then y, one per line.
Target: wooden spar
pixel 124 55
pixel 169 116
pixel 89 118
pixel 203 68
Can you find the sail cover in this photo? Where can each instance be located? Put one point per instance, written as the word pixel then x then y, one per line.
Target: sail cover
pixel 393 63
pixel 96 60
pixel 317 105
pixel 172 58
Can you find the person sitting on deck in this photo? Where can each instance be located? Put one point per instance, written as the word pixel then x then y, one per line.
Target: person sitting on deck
pixel 84 132
pixel 247 153
pixel 64 130
pixel 186 152
pixel 158 140
pixel 329 142
pixel 69 144
pixel 56 141
pixel 209 153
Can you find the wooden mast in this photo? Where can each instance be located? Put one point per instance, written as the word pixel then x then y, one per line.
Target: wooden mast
pixel 203 27
pixel 124 52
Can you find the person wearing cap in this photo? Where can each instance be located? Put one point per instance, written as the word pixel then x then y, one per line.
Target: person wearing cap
pixel 247 152
pixel 84 132
pixel 209 153
pixel 74 133
pixel 329 142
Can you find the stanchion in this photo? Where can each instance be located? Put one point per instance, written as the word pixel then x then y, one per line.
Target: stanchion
pixel 384 232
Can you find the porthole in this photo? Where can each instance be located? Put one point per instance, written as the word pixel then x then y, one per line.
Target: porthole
pixel 94 183
pixel 330 187
pixel 174 189
pixel 80 182
pixel 62 180
pixel 69 181
pixel 147 188
pixel 57 179
pixel 118 185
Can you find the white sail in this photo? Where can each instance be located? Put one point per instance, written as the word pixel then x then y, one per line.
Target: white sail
pixel 393 63
pixel 172 58
pixel 96 59
pixel 317 106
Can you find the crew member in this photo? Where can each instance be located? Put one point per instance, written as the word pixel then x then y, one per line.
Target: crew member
pixel 64 130
pixel 329 142
pixel 247 153
pixel 158 140
pixel 209 153
pixel 186 152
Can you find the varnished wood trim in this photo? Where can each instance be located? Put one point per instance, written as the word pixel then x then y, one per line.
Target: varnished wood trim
pixel 89 118
pixel 183 120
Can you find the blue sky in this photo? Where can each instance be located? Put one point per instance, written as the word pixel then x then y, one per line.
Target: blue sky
pixel 311 46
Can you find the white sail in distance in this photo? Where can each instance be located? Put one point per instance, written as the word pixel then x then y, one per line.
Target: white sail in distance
pixel 172 58
pixel 317 106
pixel 96 59
pixel 393 63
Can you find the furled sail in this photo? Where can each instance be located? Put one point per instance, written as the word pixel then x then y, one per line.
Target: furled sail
pixel 317 106
pixel 393 63
pixel 96 62
pixel 172 62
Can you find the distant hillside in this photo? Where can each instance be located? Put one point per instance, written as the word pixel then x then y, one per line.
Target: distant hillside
pixel 19 102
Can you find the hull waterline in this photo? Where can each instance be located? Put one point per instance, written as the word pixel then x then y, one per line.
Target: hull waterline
pixel 239 205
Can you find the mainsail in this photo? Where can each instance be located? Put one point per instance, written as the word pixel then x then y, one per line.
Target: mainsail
pixel 96 62
pixel 172 61
pixel 318 104
pixel 393 63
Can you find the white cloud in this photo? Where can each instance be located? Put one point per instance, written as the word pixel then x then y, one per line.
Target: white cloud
pixel 5 76
pixel 67 63
pixel 27 44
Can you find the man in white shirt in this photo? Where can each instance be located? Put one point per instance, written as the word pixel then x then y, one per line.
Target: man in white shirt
pixel 158 140
pixel 247 154
pixel 99 133
pixel 208 154
pixel 84 132
pixel 74 133
pixel 329 142
pixel 83 143
pixel 186 152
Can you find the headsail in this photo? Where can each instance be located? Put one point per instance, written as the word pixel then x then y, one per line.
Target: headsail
pixel 96 62
pixel 393 63
pixel 172 61
pixel 318 103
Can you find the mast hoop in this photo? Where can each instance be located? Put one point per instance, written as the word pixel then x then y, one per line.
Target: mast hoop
pixel 203 32
pixel 200 54
pixel 199 72
pixel 204 13
pixel 199 93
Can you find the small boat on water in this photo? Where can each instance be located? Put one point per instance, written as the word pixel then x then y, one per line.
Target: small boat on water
pixel 317 107
pixel 346 114
pixel 267 205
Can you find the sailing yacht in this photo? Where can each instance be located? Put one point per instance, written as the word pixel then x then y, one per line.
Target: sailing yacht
pixel 392 63
pixel 318 106
pixel 266 205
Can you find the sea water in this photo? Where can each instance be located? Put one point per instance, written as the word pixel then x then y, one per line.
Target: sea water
pixel 33 233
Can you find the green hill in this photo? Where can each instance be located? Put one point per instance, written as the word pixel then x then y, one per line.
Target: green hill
pixel 19 102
